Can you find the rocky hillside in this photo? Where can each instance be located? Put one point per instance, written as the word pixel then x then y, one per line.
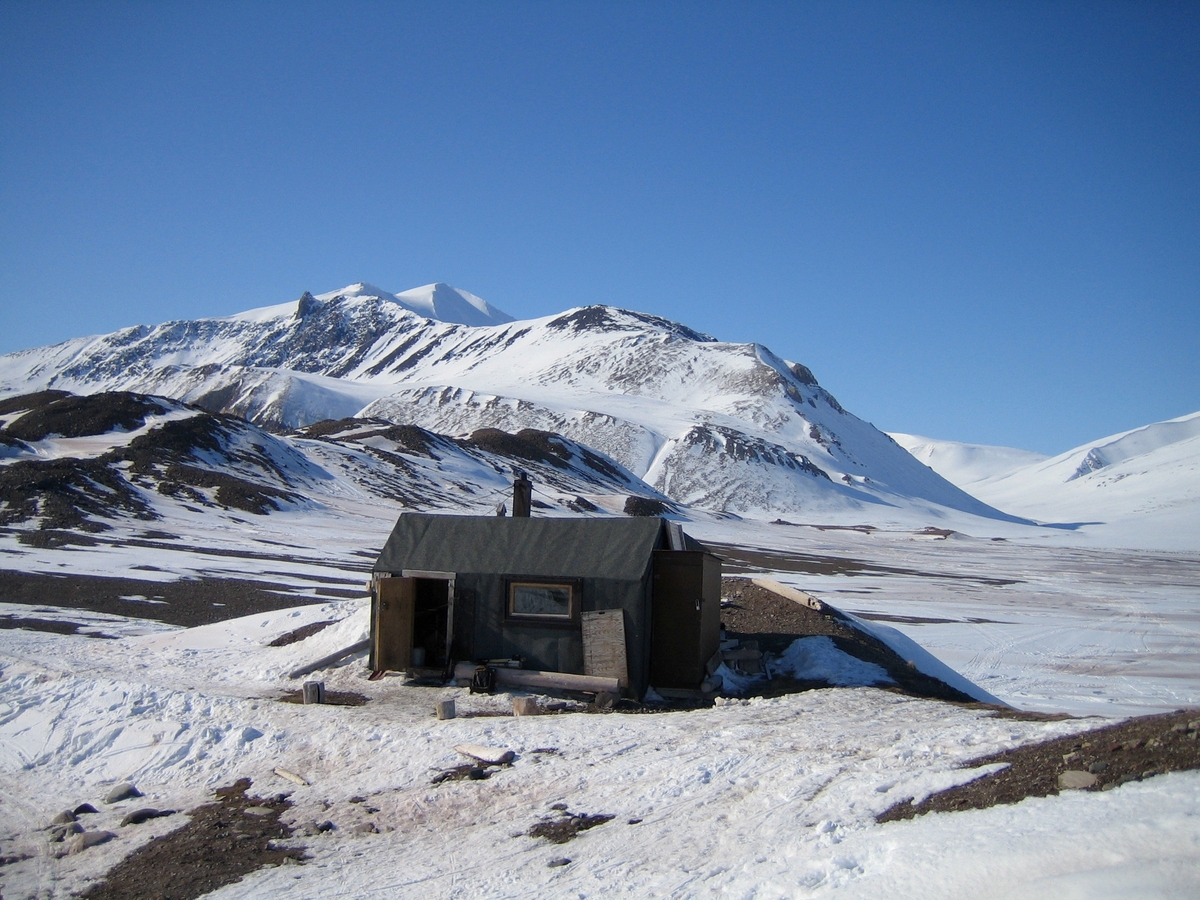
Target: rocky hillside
pixel 719 426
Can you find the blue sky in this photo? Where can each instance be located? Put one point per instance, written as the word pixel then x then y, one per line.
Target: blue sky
pixel 975 221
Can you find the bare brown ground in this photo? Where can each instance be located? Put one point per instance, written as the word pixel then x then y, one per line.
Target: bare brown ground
pixel 1130 751
pixel 222 842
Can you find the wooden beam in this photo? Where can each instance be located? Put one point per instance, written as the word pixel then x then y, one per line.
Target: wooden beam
pixel 532 678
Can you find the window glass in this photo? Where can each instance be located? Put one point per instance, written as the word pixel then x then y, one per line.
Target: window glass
pixel 552 600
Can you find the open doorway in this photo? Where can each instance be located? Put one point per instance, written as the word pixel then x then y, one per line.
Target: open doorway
pixel 414 617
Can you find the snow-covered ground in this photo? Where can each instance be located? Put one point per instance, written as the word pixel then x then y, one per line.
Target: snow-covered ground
pixel 765 798
pixel 768 798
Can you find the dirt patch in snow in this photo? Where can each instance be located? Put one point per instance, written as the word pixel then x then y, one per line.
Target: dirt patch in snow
pixel 222 842
pixel 332 698
pixel 751 612
pixel 565 825
pixel 1117 754
pixel 187 602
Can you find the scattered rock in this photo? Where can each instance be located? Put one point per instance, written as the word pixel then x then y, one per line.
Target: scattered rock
pixel 476 773
pixel 60 832
pixel 138 816
pixel 1076 779
pixel 364 828
pixel 258 810
pixel 325 826
pixel 85 808
pixel 558 861
pixel 1099 767
pixel 566 826
pixel 122 791
pixel 63 818
pixel 494 756
pixel 81 842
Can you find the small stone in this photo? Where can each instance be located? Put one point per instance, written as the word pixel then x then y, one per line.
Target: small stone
pixel 1132 745
pixel 138 816
pixel 1180 727
pixel 1076 779
pixel 558 861
pixel 325 826
pixel 63 818
pixel 258 811
pixel 60 832
pixel 1194 726
pixel 122 791
pixel 364 828
pixel 560 807
pixel 85 808
pixel 1098 767
pixel 1113 748
pixel 1126 778
pixel 1150 773
pixel 1072 757
pixel 477 774
pixel 81 842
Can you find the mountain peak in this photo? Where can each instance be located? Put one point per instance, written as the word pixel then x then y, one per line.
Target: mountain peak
pixel 439 301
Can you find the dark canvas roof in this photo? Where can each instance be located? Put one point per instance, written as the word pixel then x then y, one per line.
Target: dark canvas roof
pixel 617 548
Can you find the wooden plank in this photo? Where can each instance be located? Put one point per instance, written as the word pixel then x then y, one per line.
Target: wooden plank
pixel 604 652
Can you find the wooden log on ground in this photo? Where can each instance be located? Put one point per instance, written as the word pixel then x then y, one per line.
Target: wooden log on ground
pixel 532 678
pixel 790 593
pixel 332 658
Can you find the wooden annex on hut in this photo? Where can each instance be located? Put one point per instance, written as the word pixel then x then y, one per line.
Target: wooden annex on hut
pixel 634 597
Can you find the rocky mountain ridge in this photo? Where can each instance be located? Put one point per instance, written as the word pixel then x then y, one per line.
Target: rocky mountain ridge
pixel 724 427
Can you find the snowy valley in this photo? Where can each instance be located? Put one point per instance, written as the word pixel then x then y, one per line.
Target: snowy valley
pixel 269 453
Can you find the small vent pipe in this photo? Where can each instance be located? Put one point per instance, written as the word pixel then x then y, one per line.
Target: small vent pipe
pixel 522 496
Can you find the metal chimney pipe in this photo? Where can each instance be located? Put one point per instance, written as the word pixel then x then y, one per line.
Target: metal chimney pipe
pixel 522 496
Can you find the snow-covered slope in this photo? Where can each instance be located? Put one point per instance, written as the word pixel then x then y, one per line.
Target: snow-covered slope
pixel 1140 488
pixel 720 426
pixel 114 462
pixel 965 464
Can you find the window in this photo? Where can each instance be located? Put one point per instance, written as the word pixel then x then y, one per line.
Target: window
pixel 543 601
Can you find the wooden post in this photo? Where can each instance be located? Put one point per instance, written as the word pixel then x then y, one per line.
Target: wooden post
pixel 314 692
pixel 445 709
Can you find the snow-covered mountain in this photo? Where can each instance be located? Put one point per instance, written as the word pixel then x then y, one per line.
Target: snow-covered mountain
pixel 1142 487
pixel 116 461
pixel 720 426
pixel 966 464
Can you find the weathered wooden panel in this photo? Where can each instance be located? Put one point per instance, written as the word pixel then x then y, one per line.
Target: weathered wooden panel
pixel 397 599
pixel 604 645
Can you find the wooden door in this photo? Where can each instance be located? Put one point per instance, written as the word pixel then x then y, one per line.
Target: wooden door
pixel 397 599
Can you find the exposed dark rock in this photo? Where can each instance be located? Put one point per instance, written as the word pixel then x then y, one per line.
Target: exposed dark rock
pixel 73 416
pixel 644 506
